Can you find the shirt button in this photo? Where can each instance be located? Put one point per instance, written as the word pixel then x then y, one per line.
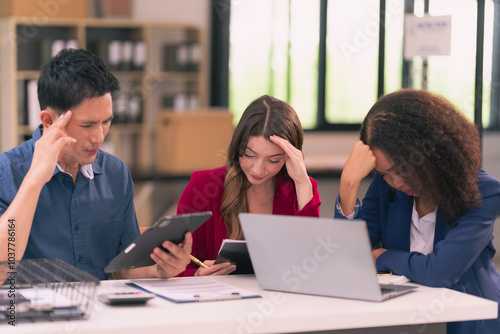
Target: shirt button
pixel 77 227
pixel 80 259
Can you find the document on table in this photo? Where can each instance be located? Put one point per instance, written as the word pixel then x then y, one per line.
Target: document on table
pixel 392 279
pixel 193 289
pixel 35 298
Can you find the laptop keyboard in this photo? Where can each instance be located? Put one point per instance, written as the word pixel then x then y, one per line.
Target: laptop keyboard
pixel 385 290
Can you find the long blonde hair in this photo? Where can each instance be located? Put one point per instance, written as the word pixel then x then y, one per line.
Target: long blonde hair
pixel 266 116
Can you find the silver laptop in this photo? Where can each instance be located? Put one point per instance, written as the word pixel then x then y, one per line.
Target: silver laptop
pixel 318 256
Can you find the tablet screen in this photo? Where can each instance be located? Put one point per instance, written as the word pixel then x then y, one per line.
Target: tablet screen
pixel 171 228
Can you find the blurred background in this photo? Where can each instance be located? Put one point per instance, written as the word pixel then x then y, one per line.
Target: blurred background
pixel 189 68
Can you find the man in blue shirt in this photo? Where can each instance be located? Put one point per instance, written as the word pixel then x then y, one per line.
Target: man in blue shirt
pixel 62 197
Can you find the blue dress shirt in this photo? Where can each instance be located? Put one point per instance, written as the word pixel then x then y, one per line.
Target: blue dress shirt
pixel 85 223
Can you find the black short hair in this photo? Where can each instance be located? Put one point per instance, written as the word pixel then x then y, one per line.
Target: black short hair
pixel 72 76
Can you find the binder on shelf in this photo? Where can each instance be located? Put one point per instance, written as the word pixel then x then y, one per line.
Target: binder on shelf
pixel 167 101
pixel 21 103
pixel 182 57
pixel 120 108
pixel 33 105
pixel 135 109
pixel 194 57
pixel 57 45
pixel 45 49
pixel 127 56
pixel 180 101
pixel 139 56
pixel 121 55
pixel 169 52
pixel 49 47
pixel 127 105
pixel 72 44
pixel 194 102
pixel 100 49
pixel 115 54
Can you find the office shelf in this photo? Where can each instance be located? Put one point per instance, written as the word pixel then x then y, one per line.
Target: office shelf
pixel 173 63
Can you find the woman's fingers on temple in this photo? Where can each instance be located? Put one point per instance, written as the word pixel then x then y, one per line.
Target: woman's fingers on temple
pixel 290 150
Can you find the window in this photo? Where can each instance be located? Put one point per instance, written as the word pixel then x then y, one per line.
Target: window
pixel 351 59
pixel 454 76
pixel 275 48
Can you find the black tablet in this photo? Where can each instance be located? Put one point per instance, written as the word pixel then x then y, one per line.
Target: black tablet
pixel 171 228
pixel 236 252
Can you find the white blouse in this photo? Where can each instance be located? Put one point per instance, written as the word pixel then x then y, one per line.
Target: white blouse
pixel 422 231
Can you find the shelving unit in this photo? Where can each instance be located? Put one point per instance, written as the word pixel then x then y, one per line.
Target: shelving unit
pixel 154 85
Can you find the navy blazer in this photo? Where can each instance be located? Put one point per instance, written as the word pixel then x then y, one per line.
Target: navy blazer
pixel 462 256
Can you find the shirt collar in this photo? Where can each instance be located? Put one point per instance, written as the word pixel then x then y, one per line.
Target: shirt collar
pixel 37 134
pixel 429 218
pixel 86 170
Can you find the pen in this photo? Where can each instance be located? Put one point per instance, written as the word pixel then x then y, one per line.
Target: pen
pixel 198 262
pixel 384 273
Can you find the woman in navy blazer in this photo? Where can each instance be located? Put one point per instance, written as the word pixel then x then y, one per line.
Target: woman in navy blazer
pixel 265 173
pixel 430 209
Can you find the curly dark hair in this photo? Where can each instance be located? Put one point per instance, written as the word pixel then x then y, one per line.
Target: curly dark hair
pixel 434 147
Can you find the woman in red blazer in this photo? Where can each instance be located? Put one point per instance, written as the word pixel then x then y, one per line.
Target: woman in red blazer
pixel 265 173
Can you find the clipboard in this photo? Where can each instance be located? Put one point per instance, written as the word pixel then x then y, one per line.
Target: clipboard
pixel 171 228
pixel 192 289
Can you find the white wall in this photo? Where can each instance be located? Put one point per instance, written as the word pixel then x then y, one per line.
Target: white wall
pixel 330 150
pixel 491 153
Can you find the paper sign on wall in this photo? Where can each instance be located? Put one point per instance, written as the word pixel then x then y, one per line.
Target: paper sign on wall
pixel 427 36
